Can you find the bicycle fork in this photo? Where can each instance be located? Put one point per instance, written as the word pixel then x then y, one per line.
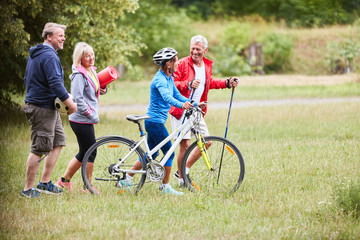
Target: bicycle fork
pixel 202 147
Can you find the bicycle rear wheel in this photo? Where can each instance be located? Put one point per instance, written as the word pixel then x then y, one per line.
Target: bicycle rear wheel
pixel 228 167
pixel 106 153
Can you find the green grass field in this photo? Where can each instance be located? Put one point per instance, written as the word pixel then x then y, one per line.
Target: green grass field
pixel 296 156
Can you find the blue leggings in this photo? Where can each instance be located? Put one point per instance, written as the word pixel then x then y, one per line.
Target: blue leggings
pixel 156 132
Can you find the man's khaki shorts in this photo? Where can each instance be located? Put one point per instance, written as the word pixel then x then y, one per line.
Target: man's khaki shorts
pixel 47 130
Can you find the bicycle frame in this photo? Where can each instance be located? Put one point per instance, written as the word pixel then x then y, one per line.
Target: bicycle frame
pixel 181 130
pixel 118 156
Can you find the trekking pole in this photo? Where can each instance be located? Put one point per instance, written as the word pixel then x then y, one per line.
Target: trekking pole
pixel 228 117
pixel 226 129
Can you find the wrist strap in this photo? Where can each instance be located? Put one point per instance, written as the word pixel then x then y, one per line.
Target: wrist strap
pixel 227 83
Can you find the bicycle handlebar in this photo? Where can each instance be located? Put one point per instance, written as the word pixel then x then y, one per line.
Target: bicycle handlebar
pixel 193 108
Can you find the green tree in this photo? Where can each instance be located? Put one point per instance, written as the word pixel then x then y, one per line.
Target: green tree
pixel 22 22
pixel 161 25
pixel 295 12
pixel 197 9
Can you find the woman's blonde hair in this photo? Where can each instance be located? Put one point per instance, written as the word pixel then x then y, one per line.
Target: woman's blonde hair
pixel 81 48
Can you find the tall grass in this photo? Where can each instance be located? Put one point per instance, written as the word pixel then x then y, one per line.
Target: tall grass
pixel 295 156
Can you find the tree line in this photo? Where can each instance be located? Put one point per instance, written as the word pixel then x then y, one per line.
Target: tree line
pixel 130 31
pixel 304 13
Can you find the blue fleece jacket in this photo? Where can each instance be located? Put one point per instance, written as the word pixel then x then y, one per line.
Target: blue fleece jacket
pixel 163 94
pixel 44 77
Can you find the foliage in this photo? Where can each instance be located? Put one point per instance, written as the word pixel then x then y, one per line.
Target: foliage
pixel 343 56
pixel 307 13
pixel 340 56
pixel 14 42
pixel 277 49
pixel 228 63
pixel 347 197
pixel 160 25
pixel 238 36
pixel 197 9
pixel 313 13
pixel 22 23
pixel 229 54
pixel 97 25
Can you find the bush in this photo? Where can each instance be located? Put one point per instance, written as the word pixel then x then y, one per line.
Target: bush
pixel 277 49
pixel 347 197
pixel 237 36
pixel 345 52
pixel 343 56
pixel 228 63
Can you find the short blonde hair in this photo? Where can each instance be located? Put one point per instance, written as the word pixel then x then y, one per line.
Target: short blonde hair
pixel 81 48
pixel 50 28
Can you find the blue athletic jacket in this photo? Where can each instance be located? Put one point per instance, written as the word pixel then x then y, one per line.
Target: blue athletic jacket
pixel 163 94
pixel 44 77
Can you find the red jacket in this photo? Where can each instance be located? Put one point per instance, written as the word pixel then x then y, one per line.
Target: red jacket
pixel 186 73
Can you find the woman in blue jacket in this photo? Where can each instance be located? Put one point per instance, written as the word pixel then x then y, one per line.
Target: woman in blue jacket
pixel 163 95
pixel 85 89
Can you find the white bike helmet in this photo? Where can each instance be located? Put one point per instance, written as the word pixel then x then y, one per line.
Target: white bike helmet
pixel 164 55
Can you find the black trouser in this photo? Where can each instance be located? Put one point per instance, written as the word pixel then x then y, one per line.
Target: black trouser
pixel 85 135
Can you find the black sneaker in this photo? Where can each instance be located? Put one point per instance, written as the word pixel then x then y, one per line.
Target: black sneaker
pixel 182 184
pixel 48 188
pixel 31 193
pixel 176 175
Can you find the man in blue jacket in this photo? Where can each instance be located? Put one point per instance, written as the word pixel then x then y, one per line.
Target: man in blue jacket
pixel 44 81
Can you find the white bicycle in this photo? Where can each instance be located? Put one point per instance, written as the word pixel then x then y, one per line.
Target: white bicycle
pixel 219 168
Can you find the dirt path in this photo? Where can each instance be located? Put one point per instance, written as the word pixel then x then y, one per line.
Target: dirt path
pixel 240 104
pixel 296 80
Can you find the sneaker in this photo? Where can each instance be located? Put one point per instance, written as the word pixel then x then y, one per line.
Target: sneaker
pixel 31 193
pixel 61 184
pixel 176 175
pixel 48 188
pixel 125 184
pixel 170 190
pixel 182 184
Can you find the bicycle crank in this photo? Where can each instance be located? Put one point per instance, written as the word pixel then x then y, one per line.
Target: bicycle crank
pixel 157 175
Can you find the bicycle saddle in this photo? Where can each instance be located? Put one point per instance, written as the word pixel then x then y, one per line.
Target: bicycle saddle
pixel 137 118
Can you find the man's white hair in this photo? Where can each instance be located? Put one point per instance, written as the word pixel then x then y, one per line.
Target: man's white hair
pixel 199 39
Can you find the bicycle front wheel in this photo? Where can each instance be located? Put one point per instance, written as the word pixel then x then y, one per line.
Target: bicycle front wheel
pixel 98 172
pixel 227 167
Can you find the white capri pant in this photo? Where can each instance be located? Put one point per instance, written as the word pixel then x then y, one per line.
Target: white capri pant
pixel 175 123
